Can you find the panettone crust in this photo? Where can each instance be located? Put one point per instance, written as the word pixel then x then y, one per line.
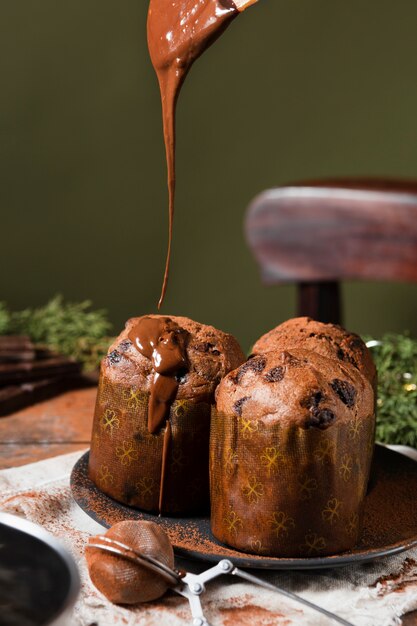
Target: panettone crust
pixel 291 445
pixel 125 458
pixel 329 340
pixel 211 353
pixel 295 387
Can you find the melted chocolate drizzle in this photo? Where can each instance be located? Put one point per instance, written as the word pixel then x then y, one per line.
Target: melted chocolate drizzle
pixel 179 31
pixel 163 342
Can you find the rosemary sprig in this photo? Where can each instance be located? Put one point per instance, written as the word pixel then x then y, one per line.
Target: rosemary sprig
pixel 4 319
pixel 396 361
pixel 72 329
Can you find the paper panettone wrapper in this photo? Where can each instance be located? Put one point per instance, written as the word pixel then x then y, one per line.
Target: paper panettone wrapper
pixel 126 460
pixel 288 492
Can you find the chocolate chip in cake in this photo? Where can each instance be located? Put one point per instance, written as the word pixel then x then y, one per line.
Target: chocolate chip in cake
pixel 320 418
pixel 203 347
pixel 356 343
pixel 181 376
pixel 345 391
pixel 124 345
pixel 275 375
pixel 114 357
pixel 206 347
pixel 291 360
pixel 324 337
pixel 312 400
pixel 238 405
pixel 255 364
pixel 344 356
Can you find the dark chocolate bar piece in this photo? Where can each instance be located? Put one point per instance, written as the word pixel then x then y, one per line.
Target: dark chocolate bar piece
pixel 16 397
pixel 29 371
pixel 14 348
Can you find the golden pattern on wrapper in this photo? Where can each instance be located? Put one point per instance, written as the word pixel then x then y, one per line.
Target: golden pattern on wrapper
pixel 288 491
pixel 125 459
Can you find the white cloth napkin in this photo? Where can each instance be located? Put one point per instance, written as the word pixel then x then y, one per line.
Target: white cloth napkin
pixel 371 594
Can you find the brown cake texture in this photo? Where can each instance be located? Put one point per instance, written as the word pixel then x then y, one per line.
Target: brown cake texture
pixel 125 457
pixel 290 451
pixel 329 340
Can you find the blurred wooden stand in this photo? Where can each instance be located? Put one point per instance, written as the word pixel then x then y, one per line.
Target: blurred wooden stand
pixel 317 234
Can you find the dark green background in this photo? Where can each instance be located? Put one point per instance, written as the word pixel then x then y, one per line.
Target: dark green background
pixel 295 89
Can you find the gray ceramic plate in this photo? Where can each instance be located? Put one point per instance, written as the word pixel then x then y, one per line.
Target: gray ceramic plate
pixel 390 521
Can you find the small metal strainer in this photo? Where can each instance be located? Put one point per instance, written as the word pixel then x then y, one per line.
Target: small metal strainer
pixel 134 563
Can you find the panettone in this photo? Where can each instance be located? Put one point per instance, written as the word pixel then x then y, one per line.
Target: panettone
pixel 329 340
pixel 149 445
pixel 291 444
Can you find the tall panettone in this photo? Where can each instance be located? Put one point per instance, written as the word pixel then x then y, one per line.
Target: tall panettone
pixel 160 465
pixel 290 451
pixel 330 340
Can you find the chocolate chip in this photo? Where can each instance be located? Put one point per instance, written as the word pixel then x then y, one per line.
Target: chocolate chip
pixel 255 364
pixel 291 360
pixel 114 357
pixel 341 354
pixel 320 418
pixel 312 400
pixel 345 356
pixel 206 347
pixel 238 405
pixel 324 336
pixel 345 391
pixel 124 345
pixel 181 376
pixel 356 343
pixel 275 374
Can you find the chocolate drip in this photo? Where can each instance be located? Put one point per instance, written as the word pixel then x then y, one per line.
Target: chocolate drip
pixel 163 342
pixel 179 31
pixel 165 452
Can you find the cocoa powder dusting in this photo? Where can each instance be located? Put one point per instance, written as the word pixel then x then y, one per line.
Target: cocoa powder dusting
pixel 389 520
pixel 398 581
pixel 251 614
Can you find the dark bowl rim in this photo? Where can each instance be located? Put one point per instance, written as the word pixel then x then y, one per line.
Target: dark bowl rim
pixel 37 532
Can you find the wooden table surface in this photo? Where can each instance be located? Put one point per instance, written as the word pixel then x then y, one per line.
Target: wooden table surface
pixel 58 426
pixel 47 429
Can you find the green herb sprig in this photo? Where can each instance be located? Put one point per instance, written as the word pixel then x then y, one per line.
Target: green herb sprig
pixel 4 319
pixel 72 329
pixel 395 358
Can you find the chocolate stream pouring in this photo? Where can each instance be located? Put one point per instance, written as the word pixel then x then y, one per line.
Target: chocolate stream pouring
pixel 179 31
